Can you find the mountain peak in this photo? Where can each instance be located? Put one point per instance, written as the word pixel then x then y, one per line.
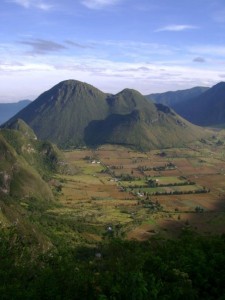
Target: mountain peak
pixel 72 83
pixel 72 90
pixel 129 92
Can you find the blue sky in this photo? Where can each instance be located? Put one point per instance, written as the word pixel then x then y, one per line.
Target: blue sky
pixel 148 45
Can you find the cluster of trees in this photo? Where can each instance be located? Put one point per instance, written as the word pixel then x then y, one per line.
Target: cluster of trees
pixel 128 177
pixel 182 183
pixel 117 167
pixel 198 191
pixel 168 166
pixel 190 267
pixel 152 205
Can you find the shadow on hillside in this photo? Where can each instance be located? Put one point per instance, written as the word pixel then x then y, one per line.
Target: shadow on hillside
pixel 199 219
pixel 112 129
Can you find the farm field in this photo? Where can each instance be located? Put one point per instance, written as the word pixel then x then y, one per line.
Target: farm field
pixel 117 191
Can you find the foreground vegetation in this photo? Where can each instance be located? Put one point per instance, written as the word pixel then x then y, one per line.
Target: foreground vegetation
pixel 111 223
pixel 190 267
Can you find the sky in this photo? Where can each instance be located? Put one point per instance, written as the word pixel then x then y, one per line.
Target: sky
pixel 148 45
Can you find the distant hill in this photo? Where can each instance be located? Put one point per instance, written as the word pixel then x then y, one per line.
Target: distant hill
pixel 172 98
pixel 199 105
pixel 7 110
pixel 208 109
pixel 73 114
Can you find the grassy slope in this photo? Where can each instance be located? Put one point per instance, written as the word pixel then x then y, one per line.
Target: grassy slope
pixel 17 166
pixel 25 164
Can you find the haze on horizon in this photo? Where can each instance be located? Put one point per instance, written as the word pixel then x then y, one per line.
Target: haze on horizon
pixel 152 46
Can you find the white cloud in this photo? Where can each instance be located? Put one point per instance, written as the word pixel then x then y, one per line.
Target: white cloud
pixel 210 50
pixel 155 68
pixel 98 4
pixel 27 67
pixel 43 6
pixel 32 4
pixel 109 76
pixel 133 50
pixel 176 28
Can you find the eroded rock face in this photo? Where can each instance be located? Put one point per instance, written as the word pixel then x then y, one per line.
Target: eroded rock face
pixel 5 180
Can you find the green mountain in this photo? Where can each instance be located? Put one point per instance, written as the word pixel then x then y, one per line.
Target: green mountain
pixel 62 113
pixel 143 125
pixel 73 113
pixel 7 110
pixel 25 163
pixel 208 109
pixel 172 98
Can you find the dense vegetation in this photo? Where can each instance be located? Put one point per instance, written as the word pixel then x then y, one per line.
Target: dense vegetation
pixel 191 267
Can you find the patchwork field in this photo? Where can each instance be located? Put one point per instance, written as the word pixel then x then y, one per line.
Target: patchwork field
pixel 116 191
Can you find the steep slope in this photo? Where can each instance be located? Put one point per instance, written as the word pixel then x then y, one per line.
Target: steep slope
pixel 61 114
pixel 73 113
pixel 208 109
pixel 145 126
pixel 22 127
pixel 25 163
pixel 172 98
pixel 7 110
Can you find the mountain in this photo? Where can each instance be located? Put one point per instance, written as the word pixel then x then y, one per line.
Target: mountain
pixel 208 109
pixel 26 165
pixel 7 110
pixel 142 125
pixel 200 105
pixel 171 98
pixel 61 113
pixel 73 113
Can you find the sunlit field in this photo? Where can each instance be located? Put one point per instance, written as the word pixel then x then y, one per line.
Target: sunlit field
pixel 115 190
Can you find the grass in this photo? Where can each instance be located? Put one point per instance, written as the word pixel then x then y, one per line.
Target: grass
pixel 141 183
pixel 170 180
pixel 3 219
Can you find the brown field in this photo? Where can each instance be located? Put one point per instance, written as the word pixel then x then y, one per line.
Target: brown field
pixel 94 195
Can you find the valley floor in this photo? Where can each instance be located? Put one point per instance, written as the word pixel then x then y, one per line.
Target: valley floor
pixel 114 191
